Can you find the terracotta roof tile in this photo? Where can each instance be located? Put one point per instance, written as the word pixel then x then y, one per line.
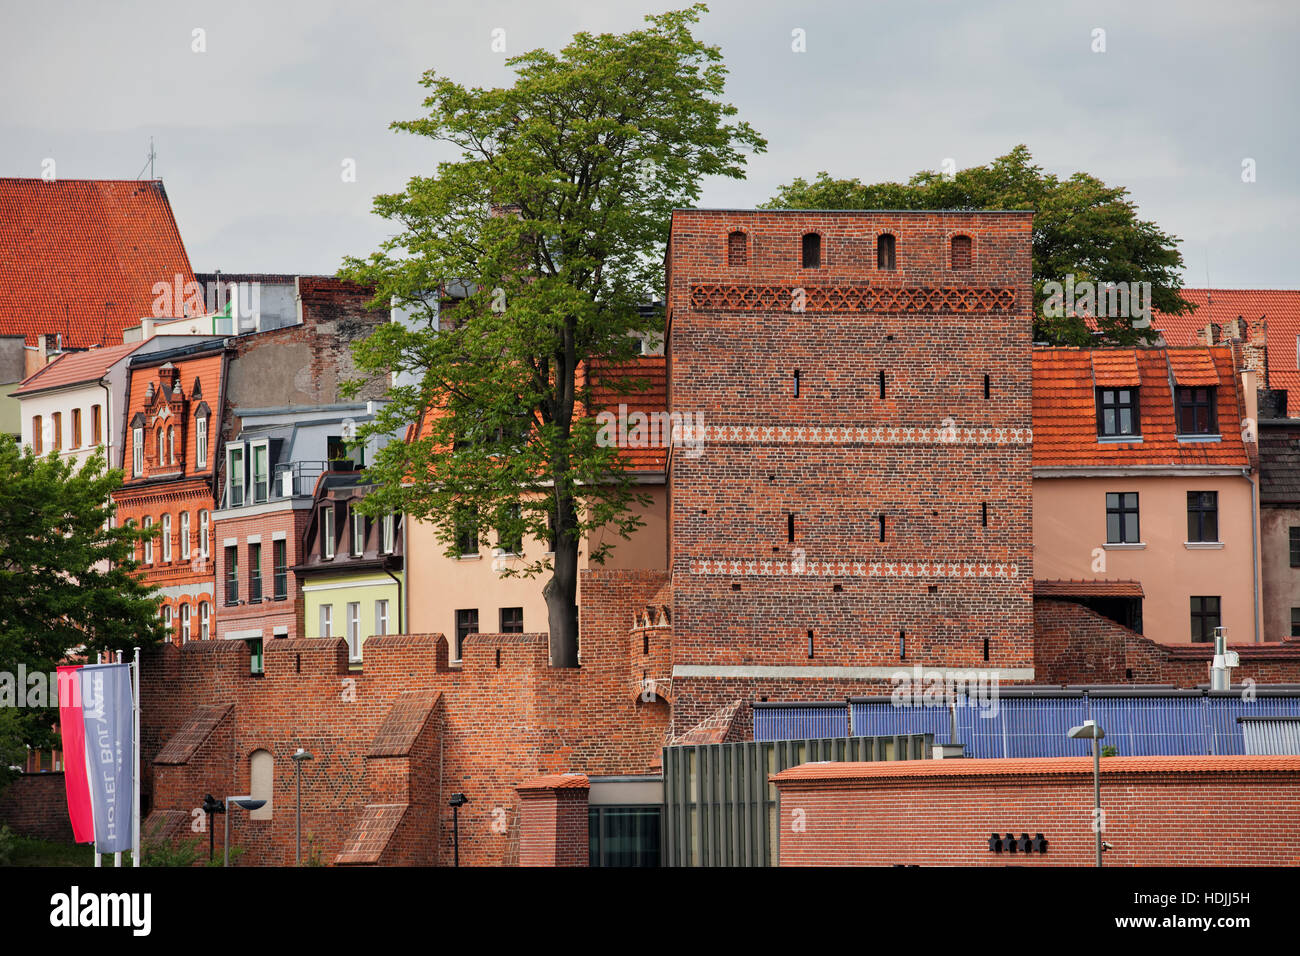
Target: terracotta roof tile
pixel 1075 588
pixel 556 781
pixel 73 368
pixel 1193 367
pixel 80 257
pixel 1116 368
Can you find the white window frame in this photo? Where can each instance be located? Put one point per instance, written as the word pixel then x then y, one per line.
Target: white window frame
pixel 327 530
pixel 236 477
pixel 381 616
pixel 205 618
pixel 327 620
pixel 205 524
pixel 137 452
pixel 147 523
pixel 167 619
pixel 358 521
pixel 201 441
pixel 171 444
pixel 185 535
pixel 253 448
pixel 388 533
pixel 185 623
pixel 161 447
pixel 354 629
pixel 167 539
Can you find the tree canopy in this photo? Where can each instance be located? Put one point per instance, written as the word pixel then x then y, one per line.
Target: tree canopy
pixel 69 582
pixel 1082 228
pixel 552 222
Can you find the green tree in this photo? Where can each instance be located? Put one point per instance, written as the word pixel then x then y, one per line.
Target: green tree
pixel 69 584
pixel 1082 227
pixel 553 220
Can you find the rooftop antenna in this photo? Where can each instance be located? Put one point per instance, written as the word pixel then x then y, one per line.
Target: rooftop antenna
pixel 1209 293
pixel 149 162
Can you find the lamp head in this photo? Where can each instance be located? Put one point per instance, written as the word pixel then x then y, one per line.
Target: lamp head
pixel 458 800
pixel 1088 730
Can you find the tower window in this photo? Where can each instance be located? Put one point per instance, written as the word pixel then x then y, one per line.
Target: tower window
pixel 812 251
pixel 885 258
pixel 961 252
pixel 737 250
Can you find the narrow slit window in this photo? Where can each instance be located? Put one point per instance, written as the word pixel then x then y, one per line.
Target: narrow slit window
pixel 885 246
pixel 882 527
pixel 812 251
pixel 810 645
pixel 796 383
pixel 882 383
pixel 984 513
pixel 737 250
pixel 789 526
pixel 986 386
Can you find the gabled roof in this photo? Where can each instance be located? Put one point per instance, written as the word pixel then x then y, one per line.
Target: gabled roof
pixel 74 368
pixel 1065 409
pixel 80 257
pixel 1279 308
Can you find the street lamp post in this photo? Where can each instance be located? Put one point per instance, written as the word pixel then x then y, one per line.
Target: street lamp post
pixel 458 800
pixel 212 805
pixel 298 757
pixel 1091 730
pixel 246 803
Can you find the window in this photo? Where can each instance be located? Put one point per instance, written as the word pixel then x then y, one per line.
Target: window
pixel 261 472
pixel 235 475
pixel 624 836
pixel 358 532
pixel 1117 412
pixel 961 252
pixel 96 425
pixel 171 444
pixel 737 253
pixel 1295 622
pixel 254 573
pixel 205 618
pixel 137 452
pixel 1202 516
pixel 466 624
pixel 256 662
pixel 327 620
pixel 381 617
pixel 885 258
pixel 512 620
pixel 280 555
pixel 327 531
pixel 509 538
pixel 1295 546
pixel 185 535
pixel 232 574
pixel 166 539
pixel 1205 618
pixel 185 623
pixel 1196 412
pixel 167 619
pixel 354 629
pixel 812 251
pixel 57 441
pixel 201 442
pixel 388 534
pixel 38 439
pixel 1122 518
pixel 148 542
pixel 203 535
pixel 76 428
pixel 261 777
pixel 162 459
pixel 466 534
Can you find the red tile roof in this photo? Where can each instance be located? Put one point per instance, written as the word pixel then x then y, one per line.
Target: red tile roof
pixel 81 257
pixel 556 781
pixel 1075 588
pixel 73 368
pixel 1065 413
pixel 834 771
pixel 1279 308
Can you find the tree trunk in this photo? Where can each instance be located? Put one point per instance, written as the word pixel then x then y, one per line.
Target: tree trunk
pixel 561 594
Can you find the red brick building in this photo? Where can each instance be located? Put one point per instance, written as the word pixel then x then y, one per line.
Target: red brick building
pixel 170 448
pixel 863 502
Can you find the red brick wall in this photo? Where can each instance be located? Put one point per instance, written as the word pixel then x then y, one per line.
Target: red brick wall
pixel 1075 645
pixel 269 613
pixel 735 364
pixel 553 828
pixel 1208 812
pixel 36 805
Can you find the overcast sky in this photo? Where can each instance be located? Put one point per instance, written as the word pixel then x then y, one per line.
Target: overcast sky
pixel 251 134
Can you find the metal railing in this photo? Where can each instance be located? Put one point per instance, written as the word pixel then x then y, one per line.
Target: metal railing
pixel 288 480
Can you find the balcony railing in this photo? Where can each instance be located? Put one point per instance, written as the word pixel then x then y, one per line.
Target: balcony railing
pixel 288 480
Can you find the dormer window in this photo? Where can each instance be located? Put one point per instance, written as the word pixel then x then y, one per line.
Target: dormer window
pixel 1117 412
pixel 1196 411
pixel 812 251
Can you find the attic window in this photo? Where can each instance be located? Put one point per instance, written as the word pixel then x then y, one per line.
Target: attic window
pixel 885 245
pixel 961 252
pixel 812 251
pixel 737 250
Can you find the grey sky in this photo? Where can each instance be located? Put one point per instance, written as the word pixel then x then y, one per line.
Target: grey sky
pixel 252 133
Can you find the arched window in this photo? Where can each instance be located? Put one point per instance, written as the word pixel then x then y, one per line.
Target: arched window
pixel 38 438
pixel 885 251
pixel 737 250
pixel 171 444
pixel 205 614
pixel 261 782
pixel 167 619
pixel 185 623
pixel 162 460
pixel 203 535
pixel 148 542
pixel 167 539
pixel 961 252
pixel 812 251
pixel 185 535
pixel 201 441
